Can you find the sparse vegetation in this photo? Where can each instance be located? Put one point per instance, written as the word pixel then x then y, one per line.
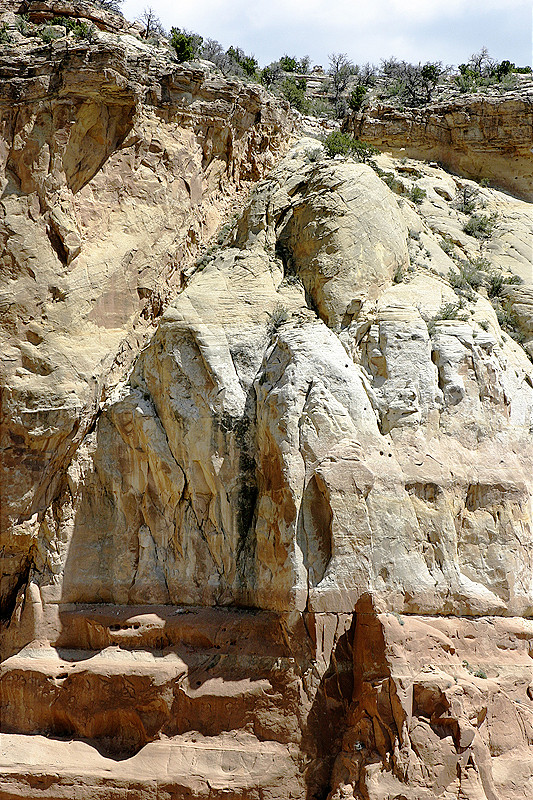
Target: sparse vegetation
pixel 480 225
pixel 80 28
pixel 340 70
pixel 481 71
pixel 343 144
pixel 293 90
pixel 398 276
pixel 314 155
pixel 416 194
pixel 357 97
pixel 478 673
pixel 186 44
pixel 508 320
pixel 22 24
pixel 467 199
pixel 292 64
pixel 278 316
pixel 411 84
pixel 152 23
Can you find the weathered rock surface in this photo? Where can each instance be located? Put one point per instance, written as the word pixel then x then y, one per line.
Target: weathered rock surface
pixel 480 137
pixel 278 547
pixel 305 436
pixel 116 164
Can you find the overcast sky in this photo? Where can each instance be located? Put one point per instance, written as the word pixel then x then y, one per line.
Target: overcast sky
pixel 415 30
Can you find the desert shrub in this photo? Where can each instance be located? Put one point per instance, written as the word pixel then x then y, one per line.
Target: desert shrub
pixel 278 316
pixel 186 44
pixel 481 70
pixel 497 280
pixel 340 70
pixel 292 64
pixel 47 34
pixel 338 143
pixel 480 225
pixel 314 155
pixel 447 245
pixel 320 108
pixel 411 84
pixel 247 63
pixel 508 320
pixel 417 194
pixel 293 90
pixel 80 28
pixel 448 311
pixel 470 275
pixel 22 24
pixel 4 34
pixel 357 97
pixel 288 63
pixel 271 74
pixel 392 182
pixel 467 199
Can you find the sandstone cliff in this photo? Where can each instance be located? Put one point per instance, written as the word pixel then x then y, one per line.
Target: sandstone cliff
pixel 116 164
pixel 480 137
pixel 281 545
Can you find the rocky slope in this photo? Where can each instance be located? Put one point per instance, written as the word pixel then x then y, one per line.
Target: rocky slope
pixel 279 545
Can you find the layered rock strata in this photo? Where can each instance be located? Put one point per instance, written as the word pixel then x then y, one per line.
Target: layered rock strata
pixel 116 164
pixel 293 559
pixel 480 137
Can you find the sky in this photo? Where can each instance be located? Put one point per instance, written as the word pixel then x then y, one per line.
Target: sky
pixel 414 30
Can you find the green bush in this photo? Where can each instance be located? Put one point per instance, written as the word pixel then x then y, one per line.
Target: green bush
pixel 411 84
pixel 467 199
pixel 185 44
pixel 480 225
pixel 357 97
pixel 248 63
pixel 289 63
pixel 22 24
pixel 417 194
pixel 471 275
pixel 343 144
pixel 271 74
pixel 481 70
pixel 47 34
pixel 448 311
pixel 4 34
pixel 294 91
pixel 80 28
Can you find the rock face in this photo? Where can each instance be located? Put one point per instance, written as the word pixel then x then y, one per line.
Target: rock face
pixel 479 137
pixel 116 164
pixel 281 548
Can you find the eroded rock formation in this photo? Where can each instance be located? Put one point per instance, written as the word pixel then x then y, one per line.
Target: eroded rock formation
pixel 281 546
pixel 481 137
pixel 117 164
